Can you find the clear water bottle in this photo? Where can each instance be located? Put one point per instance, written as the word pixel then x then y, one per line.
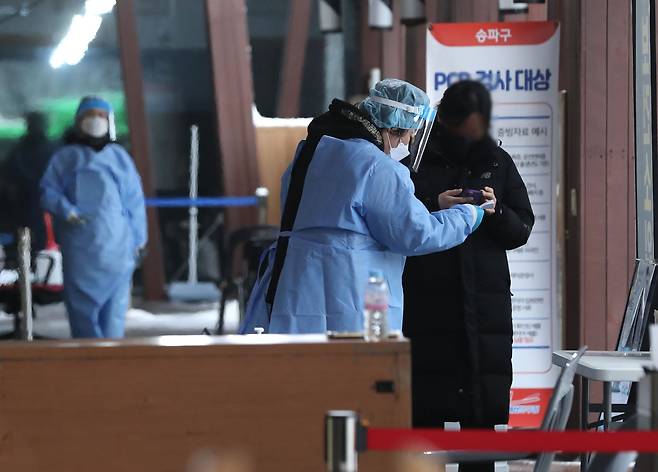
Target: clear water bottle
pixel 375 309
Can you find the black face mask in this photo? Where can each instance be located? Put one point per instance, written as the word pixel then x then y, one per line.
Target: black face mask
pixel 454 147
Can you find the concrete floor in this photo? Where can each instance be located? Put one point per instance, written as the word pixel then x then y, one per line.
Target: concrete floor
pixel 414 463
pixel 527 466
pixel 144 319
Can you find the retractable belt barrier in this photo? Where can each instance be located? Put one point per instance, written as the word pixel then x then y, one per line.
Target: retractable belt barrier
pixel 192 203
pixel 421 440
pixel 203 202
pixel 346 437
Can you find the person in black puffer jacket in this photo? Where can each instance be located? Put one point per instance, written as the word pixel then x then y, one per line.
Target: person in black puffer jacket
pixel 457 309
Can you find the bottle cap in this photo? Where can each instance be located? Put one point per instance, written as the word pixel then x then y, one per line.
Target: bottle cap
pixel 376 274
pixel 259 330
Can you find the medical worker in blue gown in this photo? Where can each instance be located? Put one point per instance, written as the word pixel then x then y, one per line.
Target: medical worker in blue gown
pixel 348 208
pixel 94 192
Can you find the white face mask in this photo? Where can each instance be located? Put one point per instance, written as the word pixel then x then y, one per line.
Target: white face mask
pixel 400 152
pixel 95 126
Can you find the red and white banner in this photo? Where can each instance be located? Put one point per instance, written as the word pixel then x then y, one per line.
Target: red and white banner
pixel 519 64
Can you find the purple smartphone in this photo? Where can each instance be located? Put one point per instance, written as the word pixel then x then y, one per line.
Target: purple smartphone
pixel 476 195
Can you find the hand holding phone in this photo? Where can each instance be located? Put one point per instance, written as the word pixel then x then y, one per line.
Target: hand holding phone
pixel 476 195
pixel 449 198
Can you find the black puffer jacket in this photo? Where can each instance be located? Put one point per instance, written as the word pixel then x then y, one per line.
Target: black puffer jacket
pixel 457 305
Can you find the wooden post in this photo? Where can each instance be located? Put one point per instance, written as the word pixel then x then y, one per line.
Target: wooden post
pixel 371 46
pixel 416 40
pixel 233 86
pixel 153 272
pixel 393 50
pixel 475 10
pixel 569 15
pixel 593 190
pixel 292 67
pixel 618 149
pixel 537 12
pixel 518 17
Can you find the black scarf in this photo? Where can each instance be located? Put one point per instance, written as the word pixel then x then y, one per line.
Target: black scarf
pixel 345 121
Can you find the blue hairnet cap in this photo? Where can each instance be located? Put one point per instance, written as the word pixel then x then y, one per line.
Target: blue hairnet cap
pixel 89 103
pixel 386 116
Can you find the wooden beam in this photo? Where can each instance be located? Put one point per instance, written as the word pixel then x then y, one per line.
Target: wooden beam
pixel 537 12
pixel 569 15
pixel 463 11
pixel 416 48
pixel 619 61
pixel 292 66
pixel 416 45
pixel 518 17
pixel 233 86
pixel 593 192
pixel 371 46
pixel 485 10
pixel 393 49
pixel 436 11
pixel 475 10
pixel 153 272
pixel 432 11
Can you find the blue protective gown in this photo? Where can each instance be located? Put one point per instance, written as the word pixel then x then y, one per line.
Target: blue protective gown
pixel 358 212
pixel 104 188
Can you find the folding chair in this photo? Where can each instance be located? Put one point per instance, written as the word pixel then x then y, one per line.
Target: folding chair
pixel 252 240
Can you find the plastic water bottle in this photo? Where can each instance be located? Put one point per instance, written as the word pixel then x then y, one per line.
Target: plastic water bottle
pixel 375 309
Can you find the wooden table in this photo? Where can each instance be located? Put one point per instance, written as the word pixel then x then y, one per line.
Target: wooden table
pixel 149 404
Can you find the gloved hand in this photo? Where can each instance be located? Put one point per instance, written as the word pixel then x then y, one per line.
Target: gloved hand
pixel 74 219
pixel 490 197
pixel 140 255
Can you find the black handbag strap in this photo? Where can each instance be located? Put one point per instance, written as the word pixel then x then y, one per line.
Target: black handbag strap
pixel 291 206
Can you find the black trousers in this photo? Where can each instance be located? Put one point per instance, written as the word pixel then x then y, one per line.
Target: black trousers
pixel 440 394
pixel 465 419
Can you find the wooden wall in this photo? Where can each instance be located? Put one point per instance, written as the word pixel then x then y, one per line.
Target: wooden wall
pixel 596 71
pixel 276 148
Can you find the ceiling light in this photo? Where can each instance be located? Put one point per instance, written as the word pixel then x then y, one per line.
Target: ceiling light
pixel 99 7
pixel 72 48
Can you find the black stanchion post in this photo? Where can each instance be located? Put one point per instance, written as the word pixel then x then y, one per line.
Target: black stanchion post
pixel 341 440
pixel 25 284
pixel 262 193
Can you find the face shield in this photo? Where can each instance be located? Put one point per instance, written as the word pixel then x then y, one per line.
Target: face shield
pixel 421 126
pixel 421 137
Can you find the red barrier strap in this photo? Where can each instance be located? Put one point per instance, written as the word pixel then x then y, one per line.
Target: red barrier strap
pixel 419 440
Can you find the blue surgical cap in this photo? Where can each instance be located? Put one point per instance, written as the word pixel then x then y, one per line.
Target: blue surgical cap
pixel 89 103
pixel 385 116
